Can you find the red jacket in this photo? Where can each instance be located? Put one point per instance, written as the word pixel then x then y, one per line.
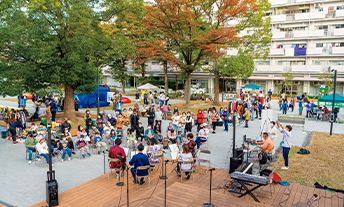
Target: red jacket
pixel 200 117
pixel 117 152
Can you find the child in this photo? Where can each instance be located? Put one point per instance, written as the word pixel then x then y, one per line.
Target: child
pixel 119 125
pixel 42 127
pixel 65 148
pixel 83 146
pixel 112 137
pixel 130 137
pixel 175 110
pixel 180 132
pixel 99 143
pixel 33 128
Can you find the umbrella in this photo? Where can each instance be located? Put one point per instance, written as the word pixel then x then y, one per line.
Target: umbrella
pixel 148 86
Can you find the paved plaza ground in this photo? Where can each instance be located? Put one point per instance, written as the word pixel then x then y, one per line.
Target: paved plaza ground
pixel 23 185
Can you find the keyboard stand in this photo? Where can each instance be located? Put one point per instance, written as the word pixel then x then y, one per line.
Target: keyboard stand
pixel 249 191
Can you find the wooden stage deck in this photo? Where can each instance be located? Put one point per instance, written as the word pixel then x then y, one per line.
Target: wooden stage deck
pixel 102 192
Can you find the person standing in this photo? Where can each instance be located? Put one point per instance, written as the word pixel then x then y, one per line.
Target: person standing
pixel 225 117
pixel 292 104
pixel 145 96
pixel 269 94
pixel 284 107
pixel 134 121
pixel 150 116
pixel 53 109
pixel 273 135
pixel 161 99
pixel 214 118
pixel 150 98
pixel 246 117
pixel 166 99
pixel 300 107
pixel 158 115
pixel 260 108
pixel 76 105
pixel 137 97
pixel 286 131
pixel 188 122
pixel 200 117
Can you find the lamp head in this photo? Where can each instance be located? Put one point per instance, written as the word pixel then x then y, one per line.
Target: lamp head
pixel 97 52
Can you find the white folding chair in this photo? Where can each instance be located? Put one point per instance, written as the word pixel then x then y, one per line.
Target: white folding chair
pixel 205 161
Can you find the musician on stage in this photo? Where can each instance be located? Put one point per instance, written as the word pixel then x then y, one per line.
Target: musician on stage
pixel 117 152
pixel 266 145
pixel 139 160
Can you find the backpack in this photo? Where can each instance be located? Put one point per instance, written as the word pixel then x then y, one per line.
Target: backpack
pixel 263 157
pixel 303 152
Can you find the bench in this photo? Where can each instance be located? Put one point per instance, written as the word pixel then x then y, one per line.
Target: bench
pixel 292 119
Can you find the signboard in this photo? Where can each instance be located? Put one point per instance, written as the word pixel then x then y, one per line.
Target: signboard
pixel 322 92
pixel 109 96
pixel 336 105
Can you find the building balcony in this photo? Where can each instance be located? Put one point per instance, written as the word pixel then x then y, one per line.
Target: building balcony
pixel 313 16
pixel 232 52
pixel 308 34
pixel 281 3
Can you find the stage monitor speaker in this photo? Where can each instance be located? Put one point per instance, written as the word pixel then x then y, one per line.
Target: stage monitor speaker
pixel 234 164
pixel 239 154
pixel 52 193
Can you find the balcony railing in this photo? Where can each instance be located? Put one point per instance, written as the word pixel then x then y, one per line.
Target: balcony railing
pixel 307 16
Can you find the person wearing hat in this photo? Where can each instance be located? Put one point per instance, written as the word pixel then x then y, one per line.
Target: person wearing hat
pixel 202 135
pixel 42 149
pixel 139 160
pixel 30 144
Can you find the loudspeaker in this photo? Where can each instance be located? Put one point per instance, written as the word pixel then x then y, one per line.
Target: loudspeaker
pixel 239 154
pixel 234 164
pixel 52 193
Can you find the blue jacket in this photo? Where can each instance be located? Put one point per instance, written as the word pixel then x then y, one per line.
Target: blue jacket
pixel 97 139
pixel 146 133
pixel 300 104
pixel 53 106
pixel 112 121
pixel 309 107
pixel 225 115
pixel 139 160
pixel 17 124
pixel 260 106
pixel 23 101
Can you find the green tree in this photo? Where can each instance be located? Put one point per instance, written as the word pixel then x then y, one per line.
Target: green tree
pixel 236 67
pixel 327 80
pixel 52 43
pixel 198 31
pixel 287 81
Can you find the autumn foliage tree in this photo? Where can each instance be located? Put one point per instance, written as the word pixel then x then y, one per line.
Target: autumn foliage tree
pixel 197 29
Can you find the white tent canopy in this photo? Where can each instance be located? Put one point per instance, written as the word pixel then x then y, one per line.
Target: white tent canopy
pixel 147 86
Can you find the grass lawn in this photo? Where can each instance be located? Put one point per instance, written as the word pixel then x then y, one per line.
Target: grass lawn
pixel 194 108
pixel 324 164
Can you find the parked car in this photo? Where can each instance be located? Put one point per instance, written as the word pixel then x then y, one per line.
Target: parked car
pixel 197 89
pixel 162 89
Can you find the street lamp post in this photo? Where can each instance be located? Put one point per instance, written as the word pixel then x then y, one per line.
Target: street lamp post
pixel 97 53
pixel 334 95
pixel 223 86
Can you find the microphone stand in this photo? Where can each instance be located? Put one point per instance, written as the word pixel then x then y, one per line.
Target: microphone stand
pixel 104 161
pixel 127 185
pixel 211 177
pixel 165 178
pixel 119 183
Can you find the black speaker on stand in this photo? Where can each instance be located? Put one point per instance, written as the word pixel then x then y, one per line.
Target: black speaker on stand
pixel 52 190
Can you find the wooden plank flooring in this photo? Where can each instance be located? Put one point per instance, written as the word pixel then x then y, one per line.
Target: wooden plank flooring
pixel 102 192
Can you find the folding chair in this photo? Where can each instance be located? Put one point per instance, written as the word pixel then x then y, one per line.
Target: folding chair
pixel 35 152
pixel 184 171
pixel 201 160
pixel 42 160
pixel 137 177
pixel 60 153
pixel 155 164
pixel 116 169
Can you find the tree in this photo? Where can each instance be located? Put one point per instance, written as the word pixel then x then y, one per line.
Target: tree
pixel 51 43
pixel 197 29
pixel 287 81
pixel 236 67
pixel 327 80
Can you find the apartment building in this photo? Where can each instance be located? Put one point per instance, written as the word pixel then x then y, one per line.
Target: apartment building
pixel 308 39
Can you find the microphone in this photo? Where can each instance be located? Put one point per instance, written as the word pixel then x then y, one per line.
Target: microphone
pixel 163 152
pixel 211 169
pixel 167 161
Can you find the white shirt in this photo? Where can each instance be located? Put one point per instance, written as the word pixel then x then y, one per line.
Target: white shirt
pixel 107 129
pixel 273 133
pixel 162 97
pixel 176 120
pixel 185 157
pixel 286 138
pixel 42 148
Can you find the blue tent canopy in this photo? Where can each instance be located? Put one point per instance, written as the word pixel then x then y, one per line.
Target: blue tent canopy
pixel 329 98
pixel 252 86
pixel 90 100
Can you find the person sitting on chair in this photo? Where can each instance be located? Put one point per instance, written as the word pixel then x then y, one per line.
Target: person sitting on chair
pixel 99 143
pixel 172 136
pixel 266 145
pixel 149 133
pixel 186 155
pixel 42 149
pixel 33 128
pixel 64 148
pixel 117 152
pixel 30 144
pixel 191 143
pixel 140 132
pixel 157 131
pixel 202 135
pixel 153 150
pixel 139 160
